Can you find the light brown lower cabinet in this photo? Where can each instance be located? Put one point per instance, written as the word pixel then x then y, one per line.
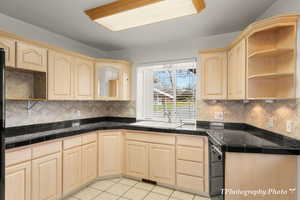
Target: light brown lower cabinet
pixel 47 177
pixel 137 159
pixel 72 169
pixel 162 163
pixel 89 162
pixel 18 182
pixel 264 172
pixel 110 154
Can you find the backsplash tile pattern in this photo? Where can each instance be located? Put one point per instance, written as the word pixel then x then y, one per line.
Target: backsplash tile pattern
pixel 54 111
pixel 256 113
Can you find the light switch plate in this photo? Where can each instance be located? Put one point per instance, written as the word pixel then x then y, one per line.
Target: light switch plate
pixel 219 116
pixel 270 123
pixel 289 126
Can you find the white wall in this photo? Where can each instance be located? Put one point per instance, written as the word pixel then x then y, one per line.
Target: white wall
pixel 171 51
pixel 281 7
pixel 21 28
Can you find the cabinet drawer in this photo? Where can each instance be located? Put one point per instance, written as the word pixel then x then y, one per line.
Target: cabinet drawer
pixel 46 149
pixel 192 183
pixel 151 138
pixel 190 168
pixel 194 141
pixel 89 138
pixel 72 142
pixel 17 156
pixel 190 153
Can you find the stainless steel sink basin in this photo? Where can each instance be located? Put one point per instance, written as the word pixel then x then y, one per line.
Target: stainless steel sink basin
pixel 157 124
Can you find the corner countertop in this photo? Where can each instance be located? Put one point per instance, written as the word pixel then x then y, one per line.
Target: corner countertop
pixel 243 138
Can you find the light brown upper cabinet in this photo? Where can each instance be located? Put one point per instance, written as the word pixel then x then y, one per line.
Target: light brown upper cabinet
pixel 213 72
pixel 237 71
pixel 84 79
pixel 60 76
pixel 272 61
pixel 9 46
pixel 31 57
pixel 112 80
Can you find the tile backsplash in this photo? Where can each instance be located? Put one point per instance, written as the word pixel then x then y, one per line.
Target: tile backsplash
pixel 54 111
pixel 256 113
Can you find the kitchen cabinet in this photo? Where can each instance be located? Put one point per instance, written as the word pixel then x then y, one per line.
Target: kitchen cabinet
pixel 18 182
pixel 84 79
pixel 72 169
pixel 89 162
pixel 110 154
pixel 162 163
pixel 213 72
pixel 47 177
pixel 137 159
pixel 250 171
pixel 112 80
pixel 237 71
pixel 192 160
pixel 9 46
pixel 60 76
pixel 31 57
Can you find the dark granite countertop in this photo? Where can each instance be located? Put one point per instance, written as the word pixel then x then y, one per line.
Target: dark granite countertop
pixel 241 138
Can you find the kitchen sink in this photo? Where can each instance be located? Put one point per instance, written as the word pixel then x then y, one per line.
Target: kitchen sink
pixel 157 124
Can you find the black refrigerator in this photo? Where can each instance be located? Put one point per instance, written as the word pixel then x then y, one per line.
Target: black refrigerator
pixel 2 118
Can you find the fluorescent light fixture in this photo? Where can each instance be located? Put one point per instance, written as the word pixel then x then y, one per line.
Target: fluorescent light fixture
pixel 125 14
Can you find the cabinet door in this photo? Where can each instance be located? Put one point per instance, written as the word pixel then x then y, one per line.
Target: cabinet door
pixel 110 154
pixel 213 75
pixel 31 57
pixel 9 46
pixel 47 177
pixel 72 169
pixel 125 84
pixel 84 79
pixel 237 71
pixel 162 163
pixel 89 162
pixel 17 182
pixel 60 77
pixel 137 159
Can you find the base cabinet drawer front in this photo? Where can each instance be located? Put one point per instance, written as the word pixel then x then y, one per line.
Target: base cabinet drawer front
pixel 162 163
pixel 190 154
pixel 89 138
pixel 9 46
pixel 194 141
pixel 89 162
pixel 190 168
pixel 47 177
pixel 31 57
pixel 18 156
pixel 137 159
pixel 18 182
pixel 72 142
pixel 192 183
pixel 151 138
pixel 72 169
pixel 110 154
pixel 46 149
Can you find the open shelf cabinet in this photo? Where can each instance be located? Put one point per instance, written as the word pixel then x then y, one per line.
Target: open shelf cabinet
pixel 271 62
pixel 26 85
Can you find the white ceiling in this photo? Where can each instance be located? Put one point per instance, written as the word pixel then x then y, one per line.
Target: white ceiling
pixel 66 17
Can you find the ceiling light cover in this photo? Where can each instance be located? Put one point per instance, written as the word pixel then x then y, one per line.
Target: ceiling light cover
pixel 125 14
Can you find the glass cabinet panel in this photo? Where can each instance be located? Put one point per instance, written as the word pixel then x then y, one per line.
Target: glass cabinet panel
pixel 107 82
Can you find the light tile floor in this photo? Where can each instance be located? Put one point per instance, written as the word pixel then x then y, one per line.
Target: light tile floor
pixel 127 189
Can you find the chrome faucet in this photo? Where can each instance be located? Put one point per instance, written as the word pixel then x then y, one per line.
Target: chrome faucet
pixel 168 114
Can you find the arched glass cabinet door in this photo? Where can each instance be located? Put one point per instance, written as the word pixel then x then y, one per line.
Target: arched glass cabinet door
pixel 107 81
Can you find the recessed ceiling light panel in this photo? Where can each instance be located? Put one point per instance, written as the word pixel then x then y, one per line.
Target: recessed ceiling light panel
pixel 125 14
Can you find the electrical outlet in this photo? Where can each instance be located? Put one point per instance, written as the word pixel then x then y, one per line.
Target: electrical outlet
pixel 289 126
pixel 270 123
pixel 219 116
pixel 78 113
